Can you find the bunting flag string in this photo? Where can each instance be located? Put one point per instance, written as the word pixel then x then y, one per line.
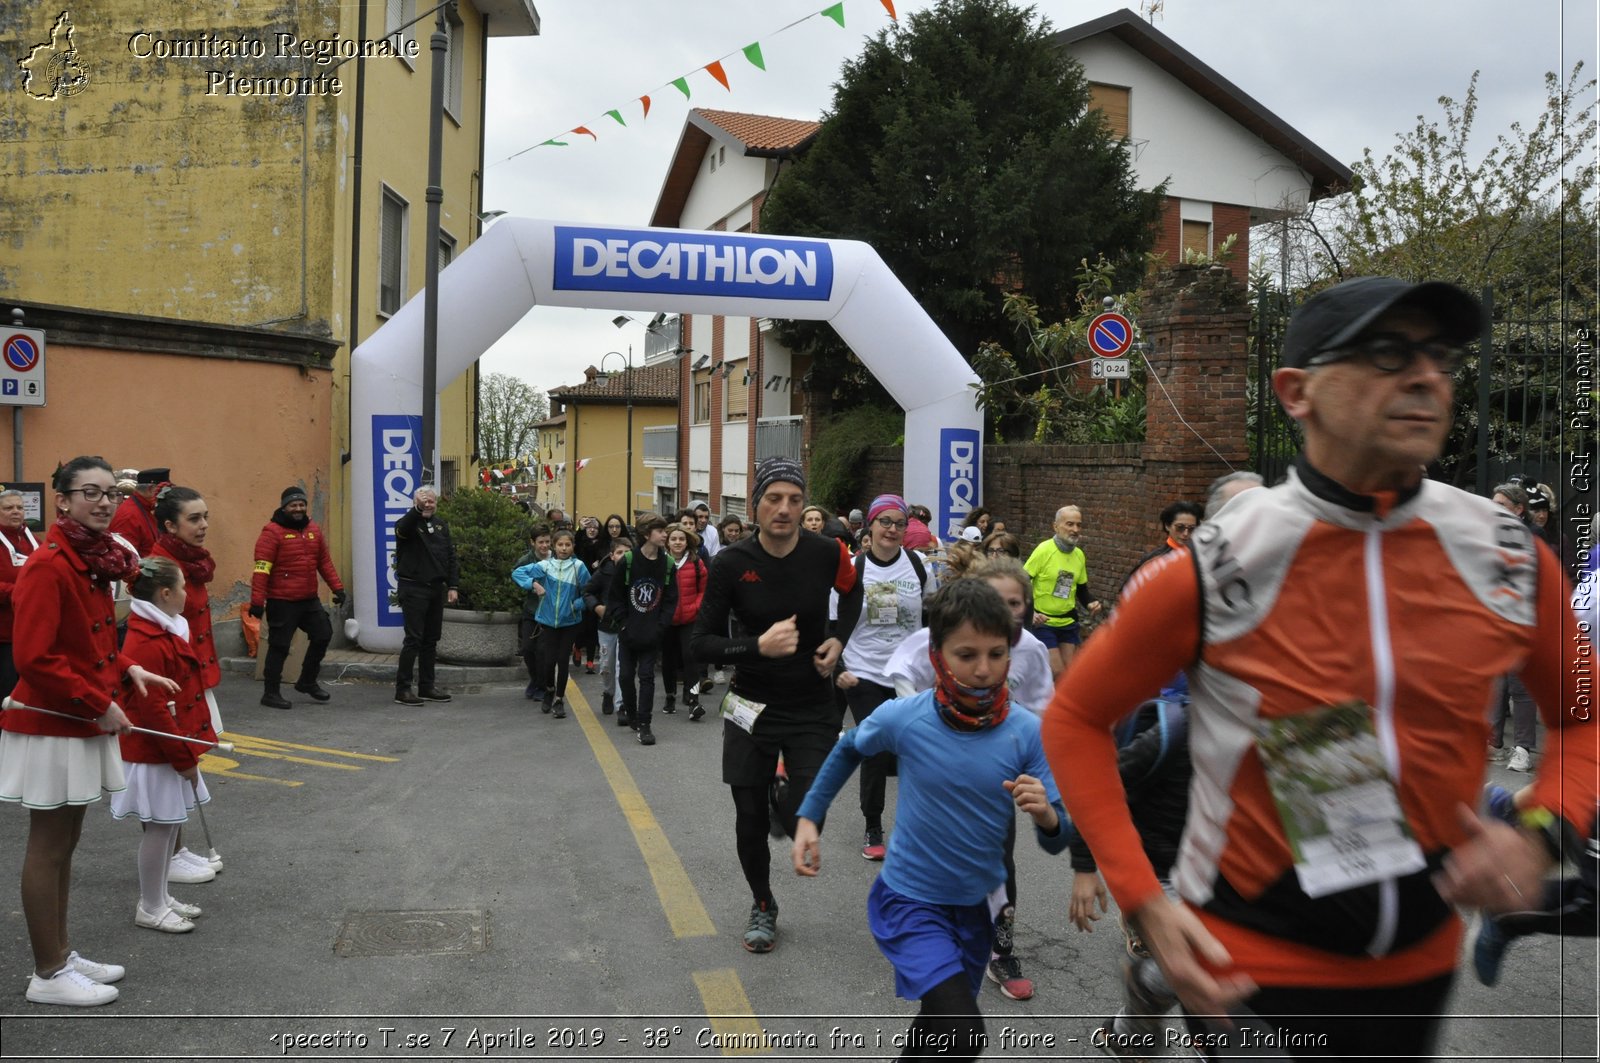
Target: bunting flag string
pixel 752 53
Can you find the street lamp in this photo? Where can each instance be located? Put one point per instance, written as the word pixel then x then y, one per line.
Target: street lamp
pixel 602 377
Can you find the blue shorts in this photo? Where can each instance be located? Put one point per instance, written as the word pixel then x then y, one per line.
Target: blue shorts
pixel 1057 636
pixel 929 943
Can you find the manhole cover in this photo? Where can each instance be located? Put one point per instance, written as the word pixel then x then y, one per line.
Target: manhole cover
pixel 413 933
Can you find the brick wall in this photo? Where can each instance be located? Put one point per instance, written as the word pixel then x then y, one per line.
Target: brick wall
pixel 1196 320
pixel 1226 220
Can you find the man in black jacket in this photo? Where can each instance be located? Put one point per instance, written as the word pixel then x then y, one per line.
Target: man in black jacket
pixel 426 573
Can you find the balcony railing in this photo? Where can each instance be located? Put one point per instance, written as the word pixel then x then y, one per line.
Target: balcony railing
pixel 661 446
pixel 778 437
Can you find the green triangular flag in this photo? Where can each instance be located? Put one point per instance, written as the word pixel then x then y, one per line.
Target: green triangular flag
pixel 752 52
pixel 836 12
pixel 682 85
pixel 618 116
pixel 552 142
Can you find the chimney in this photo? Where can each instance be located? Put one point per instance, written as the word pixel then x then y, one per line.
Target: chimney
pixel 589 374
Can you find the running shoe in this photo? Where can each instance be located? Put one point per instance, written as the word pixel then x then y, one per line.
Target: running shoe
pixel 761 929
pixel 872 847
pixel 1489 950
pixel 1006 972
pixel 1521 760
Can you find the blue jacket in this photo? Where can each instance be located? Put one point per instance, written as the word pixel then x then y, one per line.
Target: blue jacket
pixel 563 582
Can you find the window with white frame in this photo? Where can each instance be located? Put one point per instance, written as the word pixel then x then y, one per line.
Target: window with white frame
pixel 733 506
pixel 392 254
pixel 397 13
pixel 455 60
pixel 702 397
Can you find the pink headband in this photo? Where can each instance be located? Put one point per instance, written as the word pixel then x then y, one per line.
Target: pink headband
pixel 884 503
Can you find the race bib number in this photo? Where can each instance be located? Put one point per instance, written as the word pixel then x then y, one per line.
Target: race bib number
pixel 742 711
pixel 1065 582
pixel 1337 802
pixel 883 605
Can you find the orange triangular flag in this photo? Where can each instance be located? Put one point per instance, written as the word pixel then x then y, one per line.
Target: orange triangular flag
pixel 646 101
pixel 586 131
pixel 889 6
pixel 716 71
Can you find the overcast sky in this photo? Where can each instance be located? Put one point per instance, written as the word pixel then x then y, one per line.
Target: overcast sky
pixel 1349 75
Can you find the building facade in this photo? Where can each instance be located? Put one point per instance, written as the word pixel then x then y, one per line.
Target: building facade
pixel 609 418
pixel 263 167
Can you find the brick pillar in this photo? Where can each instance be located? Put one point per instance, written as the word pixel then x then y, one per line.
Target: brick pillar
pixel 1197 321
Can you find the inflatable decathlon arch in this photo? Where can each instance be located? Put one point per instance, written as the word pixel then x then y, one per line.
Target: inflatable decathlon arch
pixel 519 263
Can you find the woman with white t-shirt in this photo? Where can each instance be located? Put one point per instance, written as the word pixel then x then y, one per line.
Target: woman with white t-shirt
pixel 883 608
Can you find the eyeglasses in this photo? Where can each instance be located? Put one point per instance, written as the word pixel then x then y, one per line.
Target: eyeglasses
pixel 1392 353
pixel 94 494
pixel 887 522
pixel 997 551
pixel 1184 529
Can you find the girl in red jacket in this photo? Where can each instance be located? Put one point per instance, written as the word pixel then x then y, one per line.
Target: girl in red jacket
pixel 184 519
pixel 683 551
pixel 163 775
pixel 66 652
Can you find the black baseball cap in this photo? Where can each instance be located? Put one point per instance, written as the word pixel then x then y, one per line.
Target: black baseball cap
pixel 1337 316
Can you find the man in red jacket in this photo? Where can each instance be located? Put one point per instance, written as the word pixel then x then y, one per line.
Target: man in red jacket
pixel 290 554
pixel 135 519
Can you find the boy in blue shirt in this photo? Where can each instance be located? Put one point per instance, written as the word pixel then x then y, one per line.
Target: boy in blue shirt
pixel 966 761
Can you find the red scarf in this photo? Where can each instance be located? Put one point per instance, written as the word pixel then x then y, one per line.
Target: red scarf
pixel 105 556
pixel 968 708
pixel 196 561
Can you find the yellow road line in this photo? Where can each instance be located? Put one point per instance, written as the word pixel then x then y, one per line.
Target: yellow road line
pixel 679 899
pixel 277 744
pixel 253 751
pixel 212 764
pixel 729 1010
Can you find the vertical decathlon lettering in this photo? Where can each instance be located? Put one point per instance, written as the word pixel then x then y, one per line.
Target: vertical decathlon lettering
pixel 396 459
pixel 645 260
pixel 960 454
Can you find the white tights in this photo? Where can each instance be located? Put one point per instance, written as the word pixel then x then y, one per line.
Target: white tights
pixel 155 853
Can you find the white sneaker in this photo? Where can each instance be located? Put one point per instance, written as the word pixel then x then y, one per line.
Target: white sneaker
pixel 1521 760
pixel 166 920
pixel 71 988
pixel 188 911
pixel 187 873
pixel 200 861
pixel 104 973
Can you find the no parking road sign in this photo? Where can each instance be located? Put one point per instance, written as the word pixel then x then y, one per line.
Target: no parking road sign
pixel 1110 335
pixel 22 367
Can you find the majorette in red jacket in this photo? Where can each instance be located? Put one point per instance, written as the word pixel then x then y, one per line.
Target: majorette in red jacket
pixel 288 561
pixel 135 521
pixel 66 652
pixel 164 653
pixel 197 610
pixel 8 577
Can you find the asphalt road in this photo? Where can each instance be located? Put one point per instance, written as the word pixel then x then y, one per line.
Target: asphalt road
pixel 478 880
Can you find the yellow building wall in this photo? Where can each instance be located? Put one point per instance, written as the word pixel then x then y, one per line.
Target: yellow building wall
pixel 153 190
pixel 601 436
pixel 551 449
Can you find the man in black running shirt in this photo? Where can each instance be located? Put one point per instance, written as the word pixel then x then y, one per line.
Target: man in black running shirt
pixel 774 585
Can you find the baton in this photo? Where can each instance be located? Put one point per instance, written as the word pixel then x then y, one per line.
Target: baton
pixel 220 746
pixel 211 850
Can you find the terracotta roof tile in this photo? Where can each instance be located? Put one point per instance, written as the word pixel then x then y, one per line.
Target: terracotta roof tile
pixel 761 132
pixel 654 385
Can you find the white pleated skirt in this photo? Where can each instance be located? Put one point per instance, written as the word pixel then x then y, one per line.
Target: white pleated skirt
pixel 48 771
pixel 157 794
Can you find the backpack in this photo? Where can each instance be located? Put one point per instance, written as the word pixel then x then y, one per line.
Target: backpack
pixel 1172 717
pixel 916 565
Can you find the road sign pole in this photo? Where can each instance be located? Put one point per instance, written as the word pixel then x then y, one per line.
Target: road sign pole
pixel 16 415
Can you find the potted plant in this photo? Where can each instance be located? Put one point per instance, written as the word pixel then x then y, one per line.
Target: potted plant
pixel 489 531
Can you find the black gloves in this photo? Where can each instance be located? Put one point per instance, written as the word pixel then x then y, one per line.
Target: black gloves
pixel 339 597
pixel 258 611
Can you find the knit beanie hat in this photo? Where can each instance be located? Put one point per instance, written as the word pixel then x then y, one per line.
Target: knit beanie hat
pixel 292 494
pixel 884 503
pixel 775 470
